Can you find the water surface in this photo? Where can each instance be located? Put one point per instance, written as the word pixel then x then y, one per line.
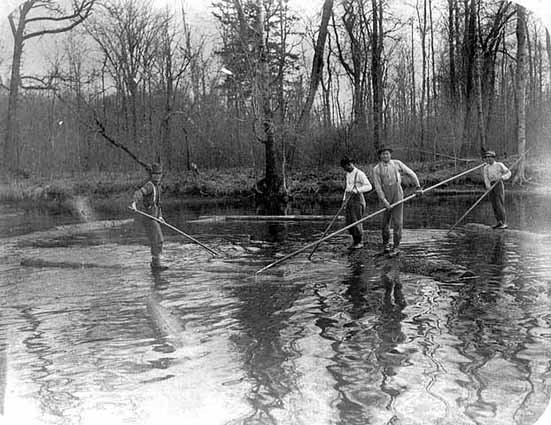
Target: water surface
pixel 345 339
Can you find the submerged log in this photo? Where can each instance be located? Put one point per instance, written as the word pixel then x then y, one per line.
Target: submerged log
pixel 71 229
pixel 479 229
pixel 40 262
pixel 441 270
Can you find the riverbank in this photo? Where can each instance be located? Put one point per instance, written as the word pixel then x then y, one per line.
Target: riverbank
pixel 303 185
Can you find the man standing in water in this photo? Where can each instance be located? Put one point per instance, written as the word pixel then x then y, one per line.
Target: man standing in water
pixel 353 199
pixel 387 181
pixel 150 196
pixel 496 172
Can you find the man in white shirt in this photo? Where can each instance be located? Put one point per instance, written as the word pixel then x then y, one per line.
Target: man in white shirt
pixel 496 172
pixel 387 181
pixel 353 199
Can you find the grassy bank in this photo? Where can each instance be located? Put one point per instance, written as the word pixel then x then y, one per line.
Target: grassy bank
pixel 307 184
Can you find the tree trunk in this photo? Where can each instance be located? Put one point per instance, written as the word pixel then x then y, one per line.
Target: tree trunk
pixel 469 48
pixel 317 62
pixel 520 86
pixel 11 144
pixel 451 47
pixel 272 190
pixel 377 72
pixel 548 47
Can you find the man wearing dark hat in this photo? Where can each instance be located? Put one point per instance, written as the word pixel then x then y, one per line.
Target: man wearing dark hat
pixel 387 181
pixel 496 172
pixel 353 199
pixel 149 195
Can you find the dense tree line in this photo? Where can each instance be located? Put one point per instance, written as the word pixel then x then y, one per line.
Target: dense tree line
pixel 132 84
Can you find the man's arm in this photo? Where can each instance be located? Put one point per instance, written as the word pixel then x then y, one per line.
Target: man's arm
pixel 406 170
pixel 139 194
pixel 505 172
pixel 363 185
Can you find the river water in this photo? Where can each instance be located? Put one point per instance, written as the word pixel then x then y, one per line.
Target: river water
pixel 348 338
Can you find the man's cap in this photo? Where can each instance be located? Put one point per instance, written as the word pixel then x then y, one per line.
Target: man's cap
pixel 384 148
pixel 489 153
pixel 346 160
pixel 155 168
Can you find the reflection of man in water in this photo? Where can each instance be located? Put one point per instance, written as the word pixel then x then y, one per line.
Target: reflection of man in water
pixel 389 328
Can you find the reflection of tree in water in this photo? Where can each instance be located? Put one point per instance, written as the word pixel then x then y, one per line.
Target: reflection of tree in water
pixel 366 354
pixel 3 368
pixel 53 401
pixel 262 318
pixel 488 317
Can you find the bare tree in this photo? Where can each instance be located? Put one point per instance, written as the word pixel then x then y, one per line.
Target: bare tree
pixel 377 72
pixel 317 62
pixel 520 91
pixel 32 19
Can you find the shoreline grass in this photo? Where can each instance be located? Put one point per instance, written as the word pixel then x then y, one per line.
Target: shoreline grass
pixel 303 184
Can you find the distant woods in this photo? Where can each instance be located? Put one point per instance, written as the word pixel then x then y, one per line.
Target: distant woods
pixel 128 83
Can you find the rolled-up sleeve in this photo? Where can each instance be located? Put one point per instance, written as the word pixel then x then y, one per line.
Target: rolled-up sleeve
pixel 505 172
pixel 364 185
pixel 406 170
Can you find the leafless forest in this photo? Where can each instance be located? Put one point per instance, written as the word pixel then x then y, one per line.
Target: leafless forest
pixel 130 83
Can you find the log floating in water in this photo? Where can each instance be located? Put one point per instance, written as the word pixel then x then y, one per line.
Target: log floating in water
pixel 219 218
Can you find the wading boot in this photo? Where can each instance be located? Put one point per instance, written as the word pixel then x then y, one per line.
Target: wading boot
pixel 395 251
pixel 156 264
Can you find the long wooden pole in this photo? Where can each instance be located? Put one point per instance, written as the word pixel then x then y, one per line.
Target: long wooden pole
pixel 304 248
pixel 170 226
pixel 327 229
pixel 485 193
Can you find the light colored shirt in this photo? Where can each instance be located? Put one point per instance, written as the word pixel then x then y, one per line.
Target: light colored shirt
pixel 356 182
pixel 494 172
pixel 389 174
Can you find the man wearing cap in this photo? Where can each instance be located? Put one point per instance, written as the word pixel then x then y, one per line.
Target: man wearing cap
pixel 387 181
pixel 496 172
pixel 353 199
pixel 149 195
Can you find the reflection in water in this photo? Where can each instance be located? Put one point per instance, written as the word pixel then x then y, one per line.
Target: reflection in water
pixel 262 317
pixel 160 283
pixel 347 339
pixel 3 368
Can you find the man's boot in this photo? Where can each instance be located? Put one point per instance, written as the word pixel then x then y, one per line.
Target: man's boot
pixel 156 264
